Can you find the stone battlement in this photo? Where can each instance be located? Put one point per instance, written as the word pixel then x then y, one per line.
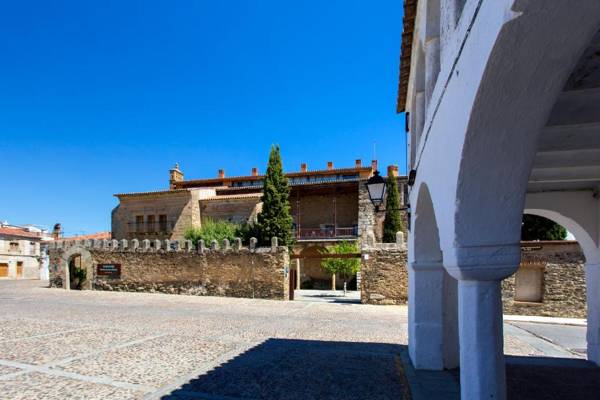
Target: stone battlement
pixel 167 246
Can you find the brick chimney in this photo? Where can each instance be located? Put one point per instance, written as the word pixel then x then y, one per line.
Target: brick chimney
pixel 221 174
pixel 303 167
pixel 358 163
pixel 374 165
pixel 175 175
pixel 392 170
pixel 254 171
pixel 329 165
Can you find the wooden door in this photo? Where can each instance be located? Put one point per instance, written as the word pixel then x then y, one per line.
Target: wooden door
pixel 3 270
pixel 19 269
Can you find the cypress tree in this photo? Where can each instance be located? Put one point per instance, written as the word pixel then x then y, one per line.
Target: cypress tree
pixel 393 218
pixel 275 218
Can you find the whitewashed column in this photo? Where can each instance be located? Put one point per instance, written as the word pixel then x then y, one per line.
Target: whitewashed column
pixel 592 278
pixel 432 336
pixel 479 270
pixel 482 367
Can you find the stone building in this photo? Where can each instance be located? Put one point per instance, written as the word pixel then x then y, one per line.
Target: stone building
pixel 503 117
pixel 327 206
pixel 20 251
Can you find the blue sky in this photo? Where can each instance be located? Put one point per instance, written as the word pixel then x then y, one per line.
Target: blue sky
pixel 104 97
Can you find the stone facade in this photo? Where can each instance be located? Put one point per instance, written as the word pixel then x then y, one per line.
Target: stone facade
pixel 180 268
pixel 384 277
pixel 562 280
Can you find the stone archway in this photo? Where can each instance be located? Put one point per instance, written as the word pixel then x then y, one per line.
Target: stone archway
pixel 81 258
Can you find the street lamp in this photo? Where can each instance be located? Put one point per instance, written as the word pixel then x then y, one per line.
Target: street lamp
pixel 376 188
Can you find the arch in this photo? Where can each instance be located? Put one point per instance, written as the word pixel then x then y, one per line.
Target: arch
pixel 433 302
pixel 425 243
pixel 512 103
pixel 581 235
pixel 86 262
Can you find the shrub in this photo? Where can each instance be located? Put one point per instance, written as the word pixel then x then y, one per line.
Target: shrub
pixel 212 230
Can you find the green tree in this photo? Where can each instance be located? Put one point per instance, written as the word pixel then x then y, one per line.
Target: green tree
pixel 212 230
pixel 275 219
pixel 539 228
pixel 393 217
pixel 345 267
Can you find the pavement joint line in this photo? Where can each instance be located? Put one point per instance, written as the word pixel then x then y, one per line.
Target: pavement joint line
pixel 67 360
pixel 28 368
pixel 545 339
pixel 204 368
pixel 47 334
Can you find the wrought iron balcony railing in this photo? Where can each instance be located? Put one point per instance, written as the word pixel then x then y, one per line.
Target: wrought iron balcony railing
pixel 326 233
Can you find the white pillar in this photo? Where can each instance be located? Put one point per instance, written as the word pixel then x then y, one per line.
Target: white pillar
pixel 482 368
pixel 298 273
pixel 592 279
pixel 432 342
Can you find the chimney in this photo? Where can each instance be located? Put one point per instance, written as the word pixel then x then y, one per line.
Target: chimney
pixel 254 171
pixel 303 167
pixel 392 170
pixel 329 165
pixel 374 165
pixel 221 173
pixel 175 175
pixel 358 163
pixel 56 232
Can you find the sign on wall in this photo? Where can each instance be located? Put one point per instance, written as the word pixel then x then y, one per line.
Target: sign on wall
pixel 109 270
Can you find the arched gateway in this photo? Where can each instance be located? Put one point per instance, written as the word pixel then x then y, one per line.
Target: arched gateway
pixel 73 259
pixel 503 106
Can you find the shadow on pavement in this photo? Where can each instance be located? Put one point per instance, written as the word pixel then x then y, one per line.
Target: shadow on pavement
pixel 534 378
pixel 304 369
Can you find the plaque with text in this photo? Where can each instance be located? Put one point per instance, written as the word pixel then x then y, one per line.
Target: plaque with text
pixel 109 270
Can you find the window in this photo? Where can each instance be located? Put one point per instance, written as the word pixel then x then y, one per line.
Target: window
pixel 14 246
pixel 139 223
pixel 151 223
pixel 162 222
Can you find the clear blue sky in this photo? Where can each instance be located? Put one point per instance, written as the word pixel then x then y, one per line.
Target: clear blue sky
pixel 104 97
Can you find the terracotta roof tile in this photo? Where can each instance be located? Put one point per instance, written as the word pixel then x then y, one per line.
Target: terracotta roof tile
pixel 20 232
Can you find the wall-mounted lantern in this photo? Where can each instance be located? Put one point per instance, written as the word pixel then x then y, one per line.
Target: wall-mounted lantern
pixel 376 187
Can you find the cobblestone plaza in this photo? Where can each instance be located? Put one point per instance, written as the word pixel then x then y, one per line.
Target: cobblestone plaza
pixel 91 344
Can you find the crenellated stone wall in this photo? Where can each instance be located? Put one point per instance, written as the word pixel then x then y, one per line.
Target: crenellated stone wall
pixel 178 267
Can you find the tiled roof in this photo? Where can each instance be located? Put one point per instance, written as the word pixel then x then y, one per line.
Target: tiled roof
pixel 410 13
pixel 150 193
pixel 91 236
pixel 20 232
pixel 234 196
pixel 334 171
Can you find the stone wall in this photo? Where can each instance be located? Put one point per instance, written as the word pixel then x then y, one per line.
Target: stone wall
pixel 231 208
pixel 384 277
pixel 563 285
pixel 179 267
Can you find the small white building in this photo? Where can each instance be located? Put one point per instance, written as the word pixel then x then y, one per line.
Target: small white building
pixel 20 255
pixel 502 99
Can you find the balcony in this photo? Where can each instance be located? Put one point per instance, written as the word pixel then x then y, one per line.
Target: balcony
pixel 327 233
pixel 150 228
